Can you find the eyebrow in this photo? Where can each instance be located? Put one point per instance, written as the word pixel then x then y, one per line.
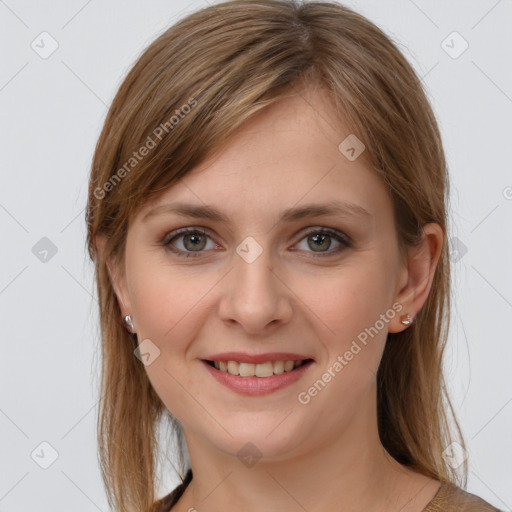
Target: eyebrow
pixel 289 215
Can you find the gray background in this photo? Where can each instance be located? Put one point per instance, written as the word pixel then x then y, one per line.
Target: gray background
pixel 51 112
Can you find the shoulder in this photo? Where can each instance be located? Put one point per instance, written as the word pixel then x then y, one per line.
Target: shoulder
pixel 451 498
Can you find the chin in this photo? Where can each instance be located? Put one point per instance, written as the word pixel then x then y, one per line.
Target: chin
pixel 266 440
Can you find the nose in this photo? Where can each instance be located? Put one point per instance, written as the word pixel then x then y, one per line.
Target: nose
pixel 255 298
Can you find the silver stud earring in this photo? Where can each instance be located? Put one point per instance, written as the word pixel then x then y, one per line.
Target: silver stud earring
pixel 407 320
pixel 128 323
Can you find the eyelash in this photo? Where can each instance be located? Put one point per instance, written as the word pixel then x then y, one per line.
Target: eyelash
pixel 170 237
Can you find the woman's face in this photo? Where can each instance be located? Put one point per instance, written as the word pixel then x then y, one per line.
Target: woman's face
pixel 269 278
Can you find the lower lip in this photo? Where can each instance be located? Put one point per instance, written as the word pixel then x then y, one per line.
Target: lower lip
pixel 257 385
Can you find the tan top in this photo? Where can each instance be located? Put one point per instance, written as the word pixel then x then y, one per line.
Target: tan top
pixel 449 498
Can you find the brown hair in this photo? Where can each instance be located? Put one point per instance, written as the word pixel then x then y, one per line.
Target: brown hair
pixel 198 82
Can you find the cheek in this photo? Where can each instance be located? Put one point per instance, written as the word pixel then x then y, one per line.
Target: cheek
pixel 168 308
pixel 354 305
pixel 166 302
pixel 351 311
pixel 349 300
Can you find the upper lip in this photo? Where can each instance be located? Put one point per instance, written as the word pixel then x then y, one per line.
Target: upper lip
pixel 243 357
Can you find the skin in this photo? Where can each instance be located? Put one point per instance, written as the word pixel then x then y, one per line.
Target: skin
pixel 285 300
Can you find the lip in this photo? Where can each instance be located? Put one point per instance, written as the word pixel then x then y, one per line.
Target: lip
pixel 243 357
pixel 255 386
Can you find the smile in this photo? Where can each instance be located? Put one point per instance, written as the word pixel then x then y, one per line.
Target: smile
pixel 263 370
pixel 257 379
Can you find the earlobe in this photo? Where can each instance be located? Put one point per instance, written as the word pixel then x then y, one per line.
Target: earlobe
pixel 115 274
pixel 419 275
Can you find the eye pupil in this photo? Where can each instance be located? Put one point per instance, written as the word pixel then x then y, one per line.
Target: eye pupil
pixel 321 239
pixel 196 243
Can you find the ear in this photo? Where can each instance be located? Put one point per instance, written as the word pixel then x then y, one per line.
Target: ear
pixel 417 276
pixel 116 275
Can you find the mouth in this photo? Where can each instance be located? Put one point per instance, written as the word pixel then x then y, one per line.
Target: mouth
pixel 261 370
pixel 256 379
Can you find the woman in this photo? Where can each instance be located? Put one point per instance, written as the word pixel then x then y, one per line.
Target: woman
pixel 267 217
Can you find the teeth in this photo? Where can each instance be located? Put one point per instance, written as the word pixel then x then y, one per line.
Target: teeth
pixel 288 365
pixel 233 367
pixel 259 370
pixel 263 369
pixel 278 367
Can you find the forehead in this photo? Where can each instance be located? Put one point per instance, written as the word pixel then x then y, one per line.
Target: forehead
pixel 286 155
